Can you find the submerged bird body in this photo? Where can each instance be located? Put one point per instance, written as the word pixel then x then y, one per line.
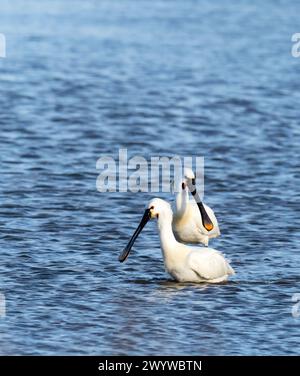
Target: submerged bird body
pixel 188 263
pixel 184 263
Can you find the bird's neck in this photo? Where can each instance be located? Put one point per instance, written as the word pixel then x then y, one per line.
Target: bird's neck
pixel 182 200
pixel 167 238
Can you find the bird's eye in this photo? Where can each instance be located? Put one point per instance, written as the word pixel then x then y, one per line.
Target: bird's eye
pixel 152 207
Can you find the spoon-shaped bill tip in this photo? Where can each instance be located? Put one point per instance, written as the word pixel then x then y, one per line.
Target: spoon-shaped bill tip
pixel 206 221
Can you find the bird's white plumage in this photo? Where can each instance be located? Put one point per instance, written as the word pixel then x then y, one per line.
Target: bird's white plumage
pixel 187 221
pixel 209 264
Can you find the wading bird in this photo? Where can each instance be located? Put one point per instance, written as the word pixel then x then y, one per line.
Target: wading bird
pixel 184 263
pixel 193 221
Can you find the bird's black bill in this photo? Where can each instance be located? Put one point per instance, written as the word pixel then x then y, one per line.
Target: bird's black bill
pixel 123 256
pixel 206 221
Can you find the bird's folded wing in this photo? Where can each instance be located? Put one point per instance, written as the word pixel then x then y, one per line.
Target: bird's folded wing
pixel 209 265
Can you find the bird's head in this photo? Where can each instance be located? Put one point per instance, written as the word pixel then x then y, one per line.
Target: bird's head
pixel 157 208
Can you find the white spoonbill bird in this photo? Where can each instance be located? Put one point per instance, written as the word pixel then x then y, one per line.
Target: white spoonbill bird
pixel 193 221
pixel 184 263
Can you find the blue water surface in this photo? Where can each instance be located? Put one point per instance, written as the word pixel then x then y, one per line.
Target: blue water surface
pixel 84 78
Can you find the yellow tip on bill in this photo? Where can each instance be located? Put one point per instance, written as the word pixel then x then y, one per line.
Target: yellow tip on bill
pixel 209 226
